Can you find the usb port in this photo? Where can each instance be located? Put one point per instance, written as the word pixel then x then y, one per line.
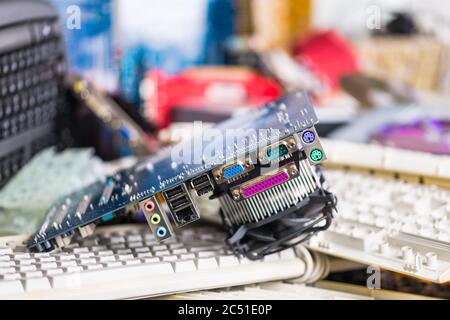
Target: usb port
pixel 179 202
pixel 200 180
pixel 204 190
pixel 174 192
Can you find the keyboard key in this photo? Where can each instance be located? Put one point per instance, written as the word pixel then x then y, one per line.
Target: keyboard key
pixel 132 262
pixel 88 261
pixel 40 255
pixel 7 264
pixel 162 253
pixel 65 257
pixel 26 268
pixel 36 284
pixel 10 276
pixel 46 259
pixel 187 256
pixel 138 271
pixel 67 263
pixel 135 245
pixel 22 255
pixel 48 265
pixel 98 248
pixel 228 261
pixel 84 255
pixel 184 266
pixel 106 259
pixel 89 242
pixel 105 253
pixel 112 264
pixel 207 263
pixel 141 250
pixel 73 269
pixel 25 262
pixel 11 287
pixel 124 251
pixel 94 266
pixel 160 247
pixel 204 254
pixel 151 260
pixel 177 246
pixel 5 250
pixel 65 281
pixel 124 257
pixel 115 240
pixel 78 250
pixel 169 258
pixel 119 246
pixel 134 238
pixel 51 272
pixel 179 251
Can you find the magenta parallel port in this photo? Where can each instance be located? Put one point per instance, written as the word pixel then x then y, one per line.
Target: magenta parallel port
pixel 265 184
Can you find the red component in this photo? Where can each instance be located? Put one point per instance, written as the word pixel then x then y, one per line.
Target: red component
pixel 150 206
pixel 328 55
pixel 218 89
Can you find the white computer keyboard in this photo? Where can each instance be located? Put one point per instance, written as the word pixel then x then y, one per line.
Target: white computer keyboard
pixel 399 226
pixel 272 290
pixel 126 262
pixel 427 167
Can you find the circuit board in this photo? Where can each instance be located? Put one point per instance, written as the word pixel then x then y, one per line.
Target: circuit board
pixel 157 176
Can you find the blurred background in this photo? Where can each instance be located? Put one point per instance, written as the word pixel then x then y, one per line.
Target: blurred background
pixel 177 61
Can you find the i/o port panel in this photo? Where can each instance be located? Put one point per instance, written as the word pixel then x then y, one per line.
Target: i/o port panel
pixel 156 219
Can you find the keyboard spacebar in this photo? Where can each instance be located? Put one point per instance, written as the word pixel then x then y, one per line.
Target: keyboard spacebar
pixel 75 280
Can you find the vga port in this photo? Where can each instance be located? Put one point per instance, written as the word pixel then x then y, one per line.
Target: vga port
pixel 233 171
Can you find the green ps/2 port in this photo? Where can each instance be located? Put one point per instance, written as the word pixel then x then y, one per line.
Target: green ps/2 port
pixel 316 155
pixel 276 152
pixel 155 218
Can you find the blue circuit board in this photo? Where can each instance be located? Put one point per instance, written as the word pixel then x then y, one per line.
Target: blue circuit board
pixel 276 120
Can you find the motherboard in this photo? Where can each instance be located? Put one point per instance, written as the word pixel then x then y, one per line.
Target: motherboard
pixel 261 165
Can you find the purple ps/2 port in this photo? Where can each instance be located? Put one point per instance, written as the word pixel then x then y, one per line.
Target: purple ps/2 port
pixel 265 184
pixel 308 136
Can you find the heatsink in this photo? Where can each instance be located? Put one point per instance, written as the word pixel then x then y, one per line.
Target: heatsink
pixel 270 196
